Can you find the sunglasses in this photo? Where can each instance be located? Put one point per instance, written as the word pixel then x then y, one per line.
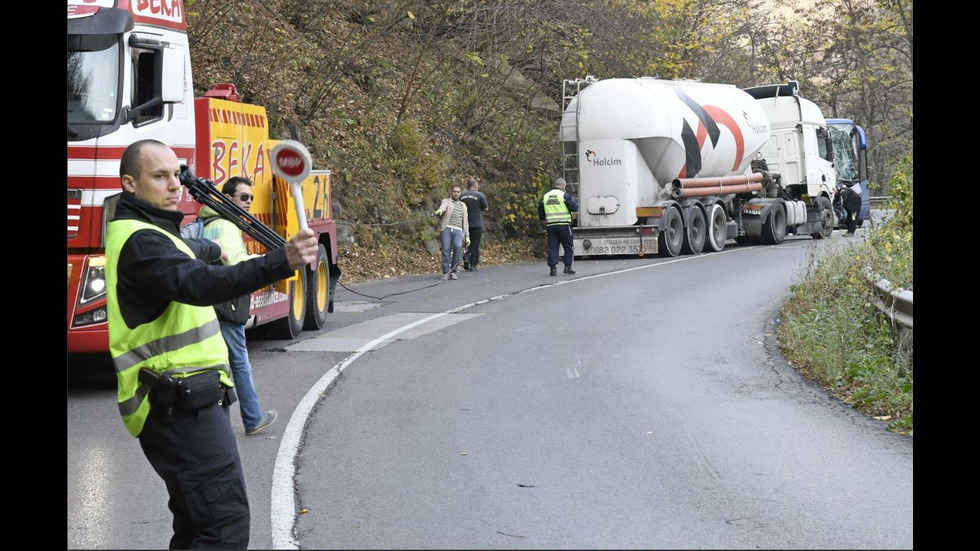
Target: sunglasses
pixel 245 196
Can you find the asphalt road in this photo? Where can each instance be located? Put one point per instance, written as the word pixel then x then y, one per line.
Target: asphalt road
pixel 641 403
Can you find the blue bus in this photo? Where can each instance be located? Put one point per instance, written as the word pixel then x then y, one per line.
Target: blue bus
pixel 851 163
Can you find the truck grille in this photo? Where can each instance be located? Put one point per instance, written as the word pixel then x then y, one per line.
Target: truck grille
pixel 74 211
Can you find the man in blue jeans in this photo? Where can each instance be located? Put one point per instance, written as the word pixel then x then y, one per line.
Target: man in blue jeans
pixel 233 315
pixel 454 230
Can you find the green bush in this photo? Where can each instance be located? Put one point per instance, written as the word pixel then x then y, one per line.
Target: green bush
pixel 832 331
pixel 516 206
pixel 891 244
pixel 418 170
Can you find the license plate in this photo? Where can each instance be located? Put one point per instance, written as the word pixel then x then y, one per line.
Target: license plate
pixel 615 245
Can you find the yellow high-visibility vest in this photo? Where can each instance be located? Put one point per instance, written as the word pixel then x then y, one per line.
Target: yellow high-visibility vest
pixel 185 339
pixel 555 211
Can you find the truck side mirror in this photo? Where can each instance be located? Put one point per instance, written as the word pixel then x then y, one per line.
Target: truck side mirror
pixel 172 81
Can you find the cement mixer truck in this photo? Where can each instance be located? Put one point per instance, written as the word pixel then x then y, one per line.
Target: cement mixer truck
pixel 681 167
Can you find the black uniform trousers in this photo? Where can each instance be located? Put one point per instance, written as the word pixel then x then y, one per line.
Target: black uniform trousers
pixel 851 202
pixel 560 235
pixel 472 256
pixel 196 455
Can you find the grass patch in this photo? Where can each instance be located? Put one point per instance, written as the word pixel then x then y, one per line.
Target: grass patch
pixel 835 335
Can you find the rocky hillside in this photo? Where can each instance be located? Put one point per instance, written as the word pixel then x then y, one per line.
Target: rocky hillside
pixel 396 110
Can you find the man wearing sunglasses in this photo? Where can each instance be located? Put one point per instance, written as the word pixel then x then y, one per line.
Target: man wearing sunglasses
pixel 233 315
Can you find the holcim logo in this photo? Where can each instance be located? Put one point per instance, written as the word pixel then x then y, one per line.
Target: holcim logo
pixel 594 159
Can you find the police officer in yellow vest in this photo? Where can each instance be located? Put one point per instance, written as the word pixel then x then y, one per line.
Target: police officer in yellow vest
pixel 556 208
pixel 174 384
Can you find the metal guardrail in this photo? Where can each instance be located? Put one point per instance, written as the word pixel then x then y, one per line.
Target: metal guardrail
pixel 894 302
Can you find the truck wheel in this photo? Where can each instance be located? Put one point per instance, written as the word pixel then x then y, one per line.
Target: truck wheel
pixel 774 228
pixel 694 233
pixel 318 292
pixel 671 237
pixel 291 326
pixel 717 232
pixel 827 219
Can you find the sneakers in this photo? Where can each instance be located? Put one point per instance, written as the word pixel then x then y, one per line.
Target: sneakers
pixel 569 270
pixel 445 277
pixel 267 420
pixel 453 276
pixel 554 271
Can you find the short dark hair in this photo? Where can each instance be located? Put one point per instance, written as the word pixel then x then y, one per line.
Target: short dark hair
pixel 472 183
pixel 232 184
pixel 131 162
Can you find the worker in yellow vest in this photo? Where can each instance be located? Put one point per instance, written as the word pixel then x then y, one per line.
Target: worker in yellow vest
pixel 556 208
pixel 174 383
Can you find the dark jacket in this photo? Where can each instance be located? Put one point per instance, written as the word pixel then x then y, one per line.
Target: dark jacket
pixel 153 272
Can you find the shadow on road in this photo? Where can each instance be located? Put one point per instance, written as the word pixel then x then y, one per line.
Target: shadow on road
pixel 90 371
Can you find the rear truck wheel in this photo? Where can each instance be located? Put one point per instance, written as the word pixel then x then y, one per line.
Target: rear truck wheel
pixel 826 219
pixel 671 237
pixel 716 230
pixel 774 228
pixel 291 326
pixel 317 292
pixel 694 232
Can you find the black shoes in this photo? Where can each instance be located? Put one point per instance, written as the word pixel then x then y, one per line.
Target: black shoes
pixel 466 266
pixel 554 271
pixel 569 270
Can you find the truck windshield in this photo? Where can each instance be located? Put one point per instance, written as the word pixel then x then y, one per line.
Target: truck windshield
pixel 93 78
pixel 845 156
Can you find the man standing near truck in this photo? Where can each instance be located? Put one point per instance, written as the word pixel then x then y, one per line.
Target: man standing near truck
pixel 556 208
pixel 233 315
pixel 174 383
pixel 851 201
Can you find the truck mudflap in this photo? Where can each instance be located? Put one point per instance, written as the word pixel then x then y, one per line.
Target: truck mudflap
pixel 633 240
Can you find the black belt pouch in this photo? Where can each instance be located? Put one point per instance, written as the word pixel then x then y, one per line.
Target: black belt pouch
pixel 199 391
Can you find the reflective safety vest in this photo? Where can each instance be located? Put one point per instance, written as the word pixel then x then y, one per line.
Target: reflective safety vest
pixel 555 211
pixel 185 339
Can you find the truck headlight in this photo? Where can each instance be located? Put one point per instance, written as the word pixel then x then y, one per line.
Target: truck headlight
pixel 92 316
pixel 93 285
